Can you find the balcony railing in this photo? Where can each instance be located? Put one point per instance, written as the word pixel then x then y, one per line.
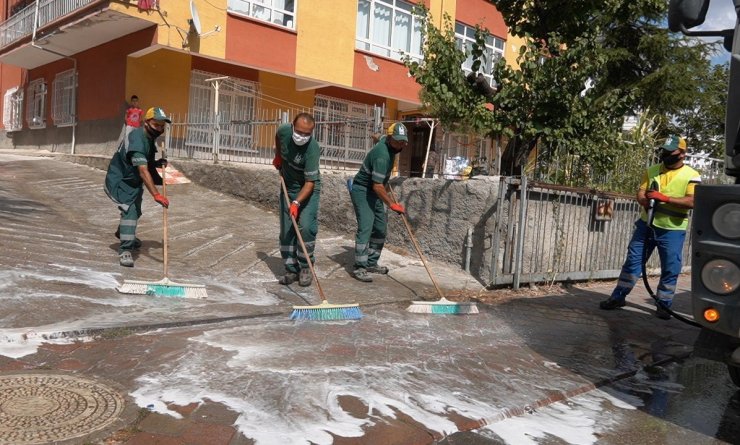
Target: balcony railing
pixel 20 25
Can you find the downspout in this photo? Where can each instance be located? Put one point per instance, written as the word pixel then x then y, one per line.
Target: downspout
pixel 74 67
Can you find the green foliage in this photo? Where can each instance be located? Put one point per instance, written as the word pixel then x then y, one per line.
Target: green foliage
pixel 618 47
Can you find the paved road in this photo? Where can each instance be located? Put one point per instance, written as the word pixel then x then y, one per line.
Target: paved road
pixel 525 369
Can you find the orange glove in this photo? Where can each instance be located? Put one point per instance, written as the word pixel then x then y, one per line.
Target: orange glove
pixel 277 162
pixel 398 208
pixel 653 194
pixel 295 206
pixel 162 200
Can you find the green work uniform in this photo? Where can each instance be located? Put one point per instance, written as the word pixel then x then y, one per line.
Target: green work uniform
pixel 124 185
pixel 369 208
pixel 299 164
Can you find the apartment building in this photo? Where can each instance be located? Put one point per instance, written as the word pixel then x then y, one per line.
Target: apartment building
pixel 67 68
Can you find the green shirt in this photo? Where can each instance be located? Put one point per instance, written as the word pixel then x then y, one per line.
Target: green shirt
pixel 300 163
pixel 124 165
pixel 377 166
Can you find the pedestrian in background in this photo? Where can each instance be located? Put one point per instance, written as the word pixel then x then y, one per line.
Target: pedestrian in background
pixel 297 158
pixel 670 185
pixel 133 116
pixel 369 198
pixel 133 167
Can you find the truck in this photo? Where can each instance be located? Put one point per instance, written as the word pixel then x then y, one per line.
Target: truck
pixel 715 225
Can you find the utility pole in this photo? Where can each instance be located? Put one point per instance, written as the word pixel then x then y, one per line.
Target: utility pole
pixel 216 83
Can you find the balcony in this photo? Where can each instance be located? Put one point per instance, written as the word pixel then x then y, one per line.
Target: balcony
pixel 64 27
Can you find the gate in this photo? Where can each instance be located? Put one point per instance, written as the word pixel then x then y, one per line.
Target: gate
pixel 546 233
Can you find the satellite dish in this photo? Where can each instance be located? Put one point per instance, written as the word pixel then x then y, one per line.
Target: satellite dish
pixel 195 21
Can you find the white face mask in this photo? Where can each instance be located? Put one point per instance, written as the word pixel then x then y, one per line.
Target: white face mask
pixel 299 139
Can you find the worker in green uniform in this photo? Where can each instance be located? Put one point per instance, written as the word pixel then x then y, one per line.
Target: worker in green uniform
pixel 369 198
pixel 132 168
pixel 297 159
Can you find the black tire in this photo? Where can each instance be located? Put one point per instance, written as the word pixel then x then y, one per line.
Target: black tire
pixel 734 374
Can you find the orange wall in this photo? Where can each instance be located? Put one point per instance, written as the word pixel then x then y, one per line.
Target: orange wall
pixel 260 45
pixel 10 76
pixel 225 69
pixel 473 12
pixel 390 80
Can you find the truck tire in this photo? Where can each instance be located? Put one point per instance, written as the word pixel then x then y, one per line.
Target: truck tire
pixel 734 374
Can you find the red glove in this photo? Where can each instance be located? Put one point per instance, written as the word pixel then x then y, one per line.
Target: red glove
pixel 656 195
pixel 162 200
pixel 277 162
pixel 398 208
pixel 295 206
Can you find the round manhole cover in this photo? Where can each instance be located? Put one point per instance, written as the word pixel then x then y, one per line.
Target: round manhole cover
pixel 46 408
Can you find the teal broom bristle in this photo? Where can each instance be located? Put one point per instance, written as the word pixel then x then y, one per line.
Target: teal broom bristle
pixel 442 307
pixel 327 313
pixel 162 290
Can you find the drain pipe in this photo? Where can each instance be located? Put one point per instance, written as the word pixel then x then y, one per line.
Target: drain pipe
pixel 74 68
pixel 468 248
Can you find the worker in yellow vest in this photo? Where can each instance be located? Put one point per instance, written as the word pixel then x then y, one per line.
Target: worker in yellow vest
pixel 670 185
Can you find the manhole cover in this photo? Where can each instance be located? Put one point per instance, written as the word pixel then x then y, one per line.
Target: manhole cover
pixel 45 408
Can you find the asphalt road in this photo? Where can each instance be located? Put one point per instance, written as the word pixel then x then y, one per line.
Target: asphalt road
pixel 233 369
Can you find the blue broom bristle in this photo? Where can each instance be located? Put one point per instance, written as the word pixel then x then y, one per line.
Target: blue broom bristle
pixel 446 309
pixel 164 290
pixel 326 314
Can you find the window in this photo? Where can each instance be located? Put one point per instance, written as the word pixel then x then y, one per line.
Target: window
pixel 388 28
pixel 13 109
pixel 36 104
pixel 63 99
pixel 278 12
pixel 465 37
pixel 343 129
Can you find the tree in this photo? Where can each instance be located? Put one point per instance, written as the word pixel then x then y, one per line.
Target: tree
pixel 617 47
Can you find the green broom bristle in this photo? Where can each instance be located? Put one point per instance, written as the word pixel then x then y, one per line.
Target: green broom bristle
pixel 162 290
pixel 443 307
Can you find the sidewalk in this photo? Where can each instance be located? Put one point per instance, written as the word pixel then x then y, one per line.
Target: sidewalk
pixel 233 369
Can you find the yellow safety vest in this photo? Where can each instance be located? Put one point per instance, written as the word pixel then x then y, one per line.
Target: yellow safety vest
pixel 668 216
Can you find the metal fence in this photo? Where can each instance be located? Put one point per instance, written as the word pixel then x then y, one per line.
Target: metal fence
pixel 251 138
pixel 546 233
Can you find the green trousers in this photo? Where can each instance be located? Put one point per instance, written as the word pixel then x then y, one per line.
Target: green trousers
pixel 128 200
pixel 308 223
pixel 371 226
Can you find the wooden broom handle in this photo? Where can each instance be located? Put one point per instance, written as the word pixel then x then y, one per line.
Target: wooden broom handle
pixel 416 246
pixel 300 238
pixel 164 218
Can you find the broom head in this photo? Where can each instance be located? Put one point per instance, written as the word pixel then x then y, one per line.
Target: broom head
pixel 326 311
pixel 442 306
pixel 163 288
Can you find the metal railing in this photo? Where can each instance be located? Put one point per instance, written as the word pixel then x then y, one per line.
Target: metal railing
pixel 343 143
pixel 546 233
pixel 21 24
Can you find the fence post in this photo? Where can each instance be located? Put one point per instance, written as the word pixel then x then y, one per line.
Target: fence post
pixel 497 230
pixel 519 245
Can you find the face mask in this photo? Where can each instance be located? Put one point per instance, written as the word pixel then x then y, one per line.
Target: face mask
pixel 153 132
pixel 300 140
pixel 669 159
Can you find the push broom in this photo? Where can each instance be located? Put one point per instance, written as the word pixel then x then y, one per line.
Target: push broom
pixel 164 287
pixel 325 310
pixel 443 305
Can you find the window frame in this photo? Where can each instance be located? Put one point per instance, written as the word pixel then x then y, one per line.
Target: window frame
pixel 494 49
pixel 13 109
pixel 63 100
pixel 253 4
pixel 366 43
pixel 36 104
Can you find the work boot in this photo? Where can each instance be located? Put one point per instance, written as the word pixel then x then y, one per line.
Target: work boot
pixel 125 259
pixel 662 313
pixel 611 304
pixel 305 278
pixel 288 278
pixel 382 270
pixel 361 274
pixel 137 241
